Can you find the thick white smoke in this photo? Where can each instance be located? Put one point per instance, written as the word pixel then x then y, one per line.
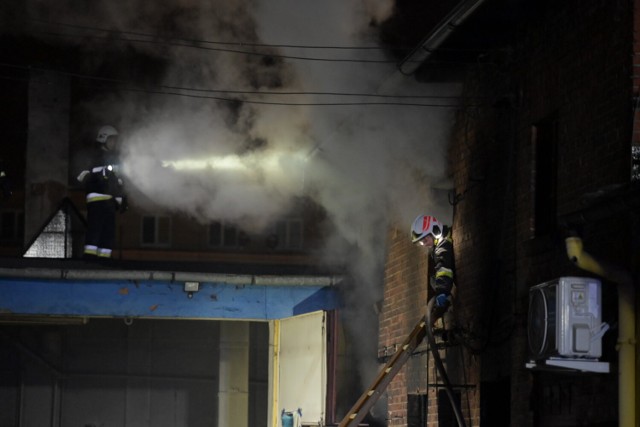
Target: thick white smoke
pixel 373 165
pixel 367 165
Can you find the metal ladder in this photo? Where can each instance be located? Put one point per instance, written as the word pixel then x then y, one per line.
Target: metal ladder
pixel 361 408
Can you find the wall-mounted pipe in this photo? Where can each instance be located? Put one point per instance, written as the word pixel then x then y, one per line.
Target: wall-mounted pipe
pixel 626 326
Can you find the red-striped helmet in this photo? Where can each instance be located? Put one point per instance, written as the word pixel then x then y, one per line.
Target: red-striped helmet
pixel 424 225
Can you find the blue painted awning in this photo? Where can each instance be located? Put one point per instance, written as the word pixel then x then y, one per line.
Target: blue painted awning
pixel 232 297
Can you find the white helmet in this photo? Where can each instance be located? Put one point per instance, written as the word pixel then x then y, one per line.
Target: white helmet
pixel 424 225
pixel 105 132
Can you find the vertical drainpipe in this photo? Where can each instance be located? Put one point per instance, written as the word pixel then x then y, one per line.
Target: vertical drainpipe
pixel 626 330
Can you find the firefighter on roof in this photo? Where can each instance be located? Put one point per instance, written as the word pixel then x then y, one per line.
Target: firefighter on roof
pixel 104 195
pixel 427 231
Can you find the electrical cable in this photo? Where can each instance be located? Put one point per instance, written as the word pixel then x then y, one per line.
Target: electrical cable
pixel 247 101
pixel 301 104
pixel 111 38
pixel 440 366
pixel 127 36
pixel 244 44
pixel 238 92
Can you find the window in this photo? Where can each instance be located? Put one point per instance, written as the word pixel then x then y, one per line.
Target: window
pixel 11 226
pixel 544 137
pixel 289 234
pixel 226 235
pixel 446 412
pixel 417 410
pixel 156 230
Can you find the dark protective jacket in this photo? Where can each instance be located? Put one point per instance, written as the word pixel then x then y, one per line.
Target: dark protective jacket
pixel 102 181
pixel 442 263
pixel 104 197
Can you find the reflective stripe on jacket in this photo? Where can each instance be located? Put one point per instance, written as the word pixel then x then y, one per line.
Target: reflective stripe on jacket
pixel 98 197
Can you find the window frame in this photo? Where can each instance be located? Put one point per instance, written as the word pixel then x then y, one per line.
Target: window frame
pixel 226 227
pixel 157 231
pixel 285 238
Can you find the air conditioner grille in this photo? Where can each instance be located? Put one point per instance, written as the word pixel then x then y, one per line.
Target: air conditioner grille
pixel 542 321
pixel 538 326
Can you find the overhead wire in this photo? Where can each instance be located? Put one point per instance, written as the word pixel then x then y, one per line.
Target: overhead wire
pixel 245 92
pixel 218 49
pixel 174 90
pixel 202 93
pixel 134 37
pixel 249 101
pixel 123 36
pixel 224 43
pixel 248 44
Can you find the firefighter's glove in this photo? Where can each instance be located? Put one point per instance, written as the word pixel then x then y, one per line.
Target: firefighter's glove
pixel 121 204
pixel 442 301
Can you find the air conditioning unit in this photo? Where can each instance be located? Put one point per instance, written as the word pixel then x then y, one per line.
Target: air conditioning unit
pixel 565 324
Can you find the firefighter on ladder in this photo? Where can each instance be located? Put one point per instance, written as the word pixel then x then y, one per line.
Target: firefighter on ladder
pixel 104 195
pixel 427 231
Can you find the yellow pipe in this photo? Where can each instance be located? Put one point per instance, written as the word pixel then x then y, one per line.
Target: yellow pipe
pixel 626 327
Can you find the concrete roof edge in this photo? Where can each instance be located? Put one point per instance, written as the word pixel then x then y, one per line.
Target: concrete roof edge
pixel 171 276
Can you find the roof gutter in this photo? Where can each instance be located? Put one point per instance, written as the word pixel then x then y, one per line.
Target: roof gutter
pixel 440 33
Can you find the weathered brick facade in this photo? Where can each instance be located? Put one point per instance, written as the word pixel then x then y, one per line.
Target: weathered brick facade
pixel 568 67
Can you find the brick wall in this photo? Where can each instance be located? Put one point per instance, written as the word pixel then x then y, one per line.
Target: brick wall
pixel 572 61
pixel 405 297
